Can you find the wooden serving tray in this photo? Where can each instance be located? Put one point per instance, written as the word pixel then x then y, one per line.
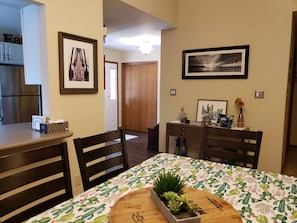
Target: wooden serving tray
pixel 138 206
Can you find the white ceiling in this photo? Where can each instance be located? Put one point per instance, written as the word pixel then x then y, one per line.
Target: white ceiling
pixel 10 18
pixel 120 19
pixel 123 20
pixel 15 3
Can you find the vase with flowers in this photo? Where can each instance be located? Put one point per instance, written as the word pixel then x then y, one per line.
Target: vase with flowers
pixel 239 103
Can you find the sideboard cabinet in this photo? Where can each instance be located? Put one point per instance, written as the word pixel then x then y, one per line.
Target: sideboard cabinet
pixel 192 132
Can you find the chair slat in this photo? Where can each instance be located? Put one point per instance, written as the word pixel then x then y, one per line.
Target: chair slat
pixel 239 145
pixel 28 196
pixel 14 181
pixel 105 165
pixel 112 152
pixel 33 176
pixel 16 160
pixel 232 146
pixel 103 151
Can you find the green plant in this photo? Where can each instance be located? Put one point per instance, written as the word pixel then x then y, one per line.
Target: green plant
pixel 168 182
pixel 169 188
pixel 175 202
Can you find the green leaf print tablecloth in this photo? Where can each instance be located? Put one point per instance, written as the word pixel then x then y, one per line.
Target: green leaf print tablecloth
pixel 258 196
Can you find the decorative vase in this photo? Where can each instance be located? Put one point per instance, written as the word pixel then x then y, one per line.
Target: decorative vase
pixel 177 146
pixel 240 120
pixel 182 115
pixel 183 148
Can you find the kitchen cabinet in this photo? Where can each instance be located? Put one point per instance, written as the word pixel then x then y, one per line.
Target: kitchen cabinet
pixel 11 53
pixel 35 45
pixel 2 54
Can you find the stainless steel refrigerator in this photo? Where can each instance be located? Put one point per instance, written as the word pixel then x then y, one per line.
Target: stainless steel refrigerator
pixel 18 102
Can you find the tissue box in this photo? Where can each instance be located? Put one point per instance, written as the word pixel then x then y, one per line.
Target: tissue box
pixel 36 120
pixel 50 128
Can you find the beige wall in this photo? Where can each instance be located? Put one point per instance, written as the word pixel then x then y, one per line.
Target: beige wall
pixel 85 113
pixel 165 9
pixel 264 25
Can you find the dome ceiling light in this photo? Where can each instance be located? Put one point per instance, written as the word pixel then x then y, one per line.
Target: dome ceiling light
pixel 144 43
pixel 145 47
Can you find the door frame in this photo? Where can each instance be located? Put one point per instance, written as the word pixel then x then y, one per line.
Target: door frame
pixel 118 94
pixel 290 87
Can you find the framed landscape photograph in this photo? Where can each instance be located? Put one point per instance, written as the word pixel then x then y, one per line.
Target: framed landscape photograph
pixel 211 108
pixel 77 64
pixel 223 62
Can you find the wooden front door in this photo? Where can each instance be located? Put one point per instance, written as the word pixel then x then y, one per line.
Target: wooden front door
pixel 139 95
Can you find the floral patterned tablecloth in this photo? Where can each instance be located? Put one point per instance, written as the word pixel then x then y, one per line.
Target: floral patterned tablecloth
pixel 257 195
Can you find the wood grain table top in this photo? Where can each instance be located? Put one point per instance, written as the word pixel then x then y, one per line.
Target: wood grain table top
pixel 137 206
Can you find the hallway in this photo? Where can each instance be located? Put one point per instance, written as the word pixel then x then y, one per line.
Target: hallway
pixel 137 148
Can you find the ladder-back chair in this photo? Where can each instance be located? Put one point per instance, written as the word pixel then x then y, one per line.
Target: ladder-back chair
pixel 33 181
pixel 101 156
pixel 238 147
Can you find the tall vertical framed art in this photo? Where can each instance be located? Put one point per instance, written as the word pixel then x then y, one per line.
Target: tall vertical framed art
pixel 77 64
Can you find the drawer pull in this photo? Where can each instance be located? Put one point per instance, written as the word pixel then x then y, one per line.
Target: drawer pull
pixel 182 134
pixel 183 129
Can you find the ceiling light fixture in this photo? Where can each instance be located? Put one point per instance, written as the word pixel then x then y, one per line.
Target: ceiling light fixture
pixel 144 43
pixel 145 47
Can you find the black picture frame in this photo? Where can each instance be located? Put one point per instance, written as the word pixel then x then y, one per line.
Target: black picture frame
pixel 211 108
pixel 78 72
pixel 216 63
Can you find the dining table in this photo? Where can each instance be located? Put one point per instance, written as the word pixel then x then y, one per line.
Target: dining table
pixel 256 195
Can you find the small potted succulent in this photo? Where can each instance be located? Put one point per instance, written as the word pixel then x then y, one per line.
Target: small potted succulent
pixel 168 195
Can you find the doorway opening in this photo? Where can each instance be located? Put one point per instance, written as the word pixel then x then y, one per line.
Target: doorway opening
pixel 290 146
pixel 111 96
pixel 139 95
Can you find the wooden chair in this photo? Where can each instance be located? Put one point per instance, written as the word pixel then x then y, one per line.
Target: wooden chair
pixel 101 156
pixel 232 146
pixel 153 138
pixel 33 181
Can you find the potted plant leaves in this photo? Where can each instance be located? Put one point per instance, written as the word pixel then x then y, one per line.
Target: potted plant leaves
pixel 168 195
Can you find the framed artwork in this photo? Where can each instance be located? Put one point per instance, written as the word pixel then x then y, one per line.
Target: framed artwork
pixel 77 64
pixel 223 62
pixel 211 108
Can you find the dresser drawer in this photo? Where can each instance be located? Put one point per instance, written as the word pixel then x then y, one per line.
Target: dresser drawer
pixel 183 130
pixel 192 132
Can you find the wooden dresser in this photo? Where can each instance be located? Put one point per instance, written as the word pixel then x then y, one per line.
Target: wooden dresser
pixel 192 130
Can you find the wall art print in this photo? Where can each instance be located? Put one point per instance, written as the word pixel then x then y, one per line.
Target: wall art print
pixel 77 64
pixel 211 108
pixel 215 63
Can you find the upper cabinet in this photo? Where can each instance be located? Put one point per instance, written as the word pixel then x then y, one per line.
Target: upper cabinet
pixel 11 53
pixel 34 43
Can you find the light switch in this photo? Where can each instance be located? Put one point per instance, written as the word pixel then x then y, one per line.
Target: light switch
pixel 259 93
pixel 172 92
